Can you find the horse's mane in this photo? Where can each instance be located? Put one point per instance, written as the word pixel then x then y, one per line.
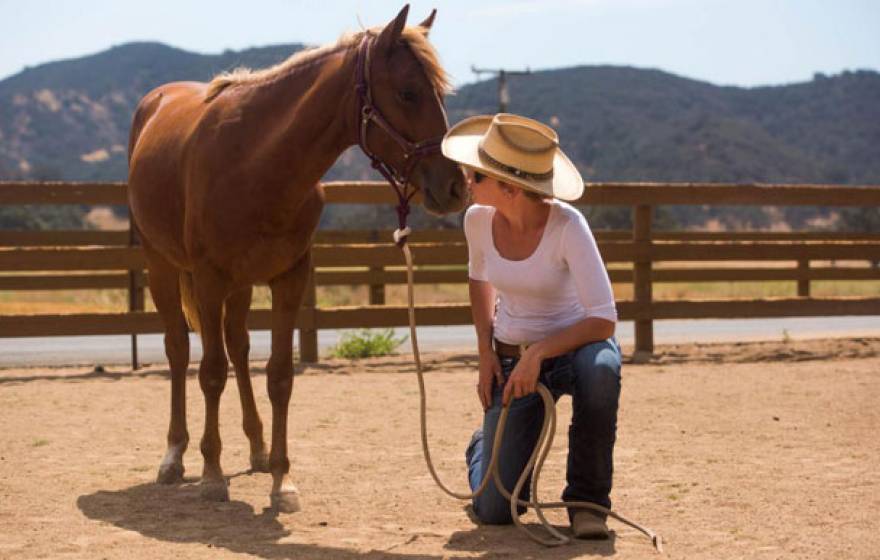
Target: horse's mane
pixel 415 37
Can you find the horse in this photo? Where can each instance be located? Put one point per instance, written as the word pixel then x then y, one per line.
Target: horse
pixel 224 191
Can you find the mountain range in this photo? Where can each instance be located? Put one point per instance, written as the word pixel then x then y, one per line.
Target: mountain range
pixel 69 120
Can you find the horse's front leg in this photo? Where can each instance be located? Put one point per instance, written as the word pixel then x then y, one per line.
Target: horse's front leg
pixel 287 295
pixel 210 294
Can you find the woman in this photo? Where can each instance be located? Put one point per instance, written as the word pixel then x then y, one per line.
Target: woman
pixel 543 310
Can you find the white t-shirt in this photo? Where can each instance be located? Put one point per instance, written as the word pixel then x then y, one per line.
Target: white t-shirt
pixel 562 282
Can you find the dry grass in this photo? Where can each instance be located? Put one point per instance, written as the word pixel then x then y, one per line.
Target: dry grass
pixel 63 302
pixel 110 301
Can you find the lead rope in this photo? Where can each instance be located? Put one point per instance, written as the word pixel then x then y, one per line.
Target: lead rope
pixel 539 454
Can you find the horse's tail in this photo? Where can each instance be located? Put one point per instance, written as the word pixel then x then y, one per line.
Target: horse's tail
pixel 188 300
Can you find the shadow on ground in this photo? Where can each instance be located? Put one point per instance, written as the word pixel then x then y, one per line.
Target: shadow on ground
pixel 176 514
pixel 500 541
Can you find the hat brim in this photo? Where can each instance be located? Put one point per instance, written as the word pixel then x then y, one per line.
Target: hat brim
pixel 461 145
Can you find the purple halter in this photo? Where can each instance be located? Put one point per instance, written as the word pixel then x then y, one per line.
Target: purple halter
pixel 412 152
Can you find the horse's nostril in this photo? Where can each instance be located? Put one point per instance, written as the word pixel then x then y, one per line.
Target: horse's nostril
pixel 458 193
pixel 456 184
pixel 456 189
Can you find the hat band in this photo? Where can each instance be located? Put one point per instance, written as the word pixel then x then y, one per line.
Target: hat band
pixel 513 170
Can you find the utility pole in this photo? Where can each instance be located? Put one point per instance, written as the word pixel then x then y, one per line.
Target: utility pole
pixel 503 94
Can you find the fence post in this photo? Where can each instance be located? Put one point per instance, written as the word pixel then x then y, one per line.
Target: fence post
pixel 135 292
pixel 377 291
pixel 803 282
pixel 642 292
pixel 308 338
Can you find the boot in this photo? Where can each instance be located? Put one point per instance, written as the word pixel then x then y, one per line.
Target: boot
pixel 588 524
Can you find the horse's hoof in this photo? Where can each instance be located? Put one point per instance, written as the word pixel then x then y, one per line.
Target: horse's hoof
pixel 215 491
pixel 170 473
pixel 286 501
pixel 260 462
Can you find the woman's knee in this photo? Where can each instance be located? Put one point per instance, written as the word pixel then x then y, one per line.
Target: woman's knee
pixel 597 371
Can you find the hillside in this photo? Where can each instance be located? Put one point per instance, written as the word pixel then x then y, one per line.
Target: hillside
pixel 69 120
pixel 632 124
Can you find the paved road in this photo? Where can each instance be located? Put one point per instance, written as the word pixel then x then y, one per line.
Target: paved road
pixel 88 350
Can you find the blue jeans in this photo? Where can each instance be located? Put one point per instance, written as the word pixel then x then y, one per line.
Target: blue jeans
pixel 591 375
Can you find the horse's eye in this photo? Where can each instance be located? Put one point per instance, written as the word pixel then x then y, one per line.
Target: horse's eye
pixel 407 96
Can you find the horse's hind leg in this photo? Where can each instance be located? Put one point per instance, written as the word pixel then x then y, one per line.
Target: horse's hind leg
pixel 287 294
pixel 211 291
pixel 164 281
pixel 237 347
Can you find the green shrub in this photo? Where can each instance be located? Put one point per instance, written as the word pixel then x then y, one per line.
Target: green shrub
pixel 365 343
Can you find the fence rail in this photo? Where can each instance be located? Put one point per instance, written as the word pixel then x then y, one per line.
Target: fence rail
pixel 109 238
pixel 91 260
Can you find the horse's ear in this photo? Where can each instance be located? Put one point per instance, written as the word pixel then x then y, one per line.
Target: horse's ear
pixel 429 21
pixel 392 31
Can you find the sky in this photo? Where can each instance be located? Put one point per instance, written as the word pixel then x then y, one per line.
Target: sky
pixel 725 42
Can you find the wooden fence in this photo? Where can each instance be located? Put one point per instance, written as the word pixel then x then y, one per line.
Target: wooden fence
pixel 111 260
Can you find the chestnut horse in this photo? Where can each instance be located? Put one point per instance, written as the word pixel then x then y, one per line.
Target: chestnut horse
pixel 224 191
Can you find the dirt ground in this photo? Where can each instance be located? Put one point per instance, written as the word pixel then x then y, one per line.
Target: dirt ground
pixel 765 450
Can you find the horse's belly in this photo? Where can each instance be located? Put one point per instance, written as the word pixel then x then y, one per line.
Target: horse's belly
pixel 257 255
pixel 267 259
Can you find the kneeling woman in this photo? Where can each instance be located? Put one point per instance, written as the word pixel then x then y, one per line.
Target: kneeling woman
pixel 543 310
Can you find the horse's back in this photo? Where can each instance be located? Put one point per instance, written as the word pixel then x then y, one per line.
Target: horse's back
pixel 162 125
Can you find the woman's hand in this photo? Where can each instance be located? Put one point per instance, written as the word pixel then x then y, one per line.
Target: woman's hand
pixel 490 369
pixel 523 379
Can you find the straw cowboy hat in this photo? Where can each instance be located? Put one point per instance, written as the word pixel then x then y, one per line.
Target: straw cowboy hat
pixel 516 150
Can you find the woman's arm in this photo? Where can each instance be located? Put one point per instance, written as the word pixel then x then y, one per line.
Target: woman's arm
pixel 482 296
pixel 524 377
pixel 591 329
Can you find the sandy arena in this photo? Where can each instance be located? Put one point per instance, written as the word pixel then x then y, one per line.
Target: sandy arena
pixel 766 450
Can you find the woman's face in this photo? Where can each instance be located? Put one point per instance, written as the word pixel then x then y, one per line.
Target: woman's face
pixel 484 189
